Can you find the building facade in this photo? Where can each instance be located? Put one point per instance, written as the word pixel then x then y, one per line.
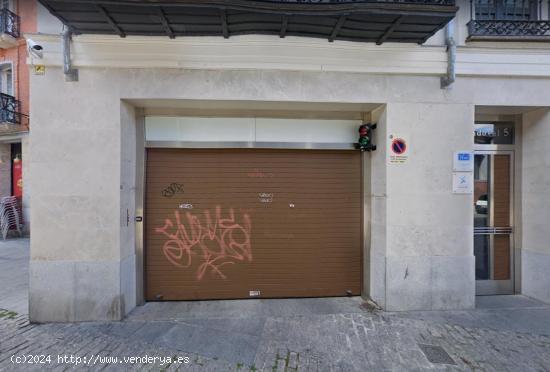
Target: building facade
pixel 16 18
pixel 191 151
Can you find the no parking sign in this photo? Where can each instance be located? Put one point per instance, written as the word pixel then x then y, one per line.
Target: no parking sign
pixel 398 149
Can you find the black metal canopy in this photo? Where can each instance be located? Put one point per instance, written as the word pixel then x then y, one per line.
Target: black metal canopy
pixel 410 21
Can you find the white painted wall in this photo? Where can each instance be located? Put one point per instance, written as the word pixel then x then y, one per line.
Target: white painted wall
pixel 421 247
pixel 77 244
pixel 128 176
pixel 223 129
pixel 199 129
pixel 421 256
pixel 46 23
pixel 429 230
pixel 536 205
pixel 377 249
pixel 82 251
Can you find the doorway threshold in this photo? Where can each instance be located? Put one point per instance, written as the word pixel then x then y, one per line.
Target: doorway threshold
pixel 507 302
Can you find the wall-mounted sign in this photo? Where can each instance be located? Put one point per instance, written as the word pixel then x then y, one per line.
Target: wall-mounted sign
pixel 398 149
pixel 39 69
pixel 463 183
pixel 494 133
pixel 463 161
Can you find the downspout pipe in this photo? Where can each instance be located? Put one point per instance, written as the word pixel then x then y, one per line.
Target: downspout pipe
pixel 449 79
pixel 71 74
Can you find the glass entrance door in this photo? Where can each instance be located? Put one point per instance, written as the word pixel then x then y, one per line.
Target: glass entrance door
pixel 493 222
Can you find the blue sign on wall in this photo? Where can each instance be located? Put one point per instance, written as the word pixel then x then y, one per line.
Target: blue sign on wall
pixel 463 161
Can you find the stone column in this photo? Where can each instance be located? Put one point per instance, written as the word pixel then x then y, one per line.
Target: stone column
pixel 535 200
pixel 421 242
pixel 82 199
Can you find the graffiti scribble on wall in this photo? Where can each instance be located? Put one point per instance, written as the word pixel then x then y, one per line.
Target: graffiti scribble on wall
pixel 213 242
pixel 172 189
pixel 265 197
pixel 256 173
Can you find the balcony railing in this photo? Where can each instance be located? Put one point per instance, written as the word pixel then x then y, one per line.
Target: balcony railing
pixel 421 2
pixel 9 110
pixel 9 23
pixel 509 29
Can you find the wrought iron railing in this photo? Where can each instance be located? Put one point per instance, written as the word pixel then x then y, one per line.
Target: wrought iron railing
pixel 494 28
pixel 9 23
pixel 421 2
pixel 9 110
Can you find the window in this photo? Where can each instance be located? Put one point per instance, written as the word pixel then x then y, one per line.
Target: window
pixel 6 4
pixel 6 79
pixel 509 10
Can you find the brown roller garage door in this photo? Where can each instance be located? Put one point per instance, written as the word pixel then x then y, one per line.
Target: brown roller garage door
pixel 245 223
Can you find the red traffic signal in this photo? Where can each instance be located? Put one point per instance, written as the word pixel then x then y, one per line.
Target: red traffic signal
pixel 365 137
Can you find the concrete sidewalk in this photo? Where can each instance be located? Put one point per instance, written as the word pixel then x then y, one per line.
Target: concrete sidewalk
pixel 14 275
pixel 504 333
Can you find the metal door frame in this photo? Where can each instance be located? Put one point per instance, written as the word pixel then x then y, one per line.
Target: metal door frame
pixel 491 286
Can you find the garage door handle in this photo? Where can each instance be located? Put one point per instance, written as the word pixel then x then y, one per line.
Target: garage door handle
pixel 139 219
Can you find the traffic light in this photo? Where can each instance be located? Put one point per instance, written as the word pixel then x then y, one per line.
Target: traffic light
pixel 365 137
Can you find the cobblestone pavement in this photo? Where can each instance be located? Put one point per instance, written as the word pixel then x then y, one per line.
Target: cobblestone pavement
pixel 505 333
pixel 360 341
pixel 14 274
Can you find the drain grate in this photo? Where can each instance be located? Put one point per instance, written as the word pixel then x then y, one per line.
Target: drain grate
pixel 436 354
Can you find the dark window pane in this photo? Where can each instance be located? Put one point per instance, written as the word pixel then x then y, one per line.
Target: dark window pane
pixel 518 10
pixel 481 253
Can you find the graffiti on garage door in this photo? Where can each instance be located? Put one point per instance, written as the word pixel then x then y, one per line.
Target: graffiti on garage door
pixel 211 242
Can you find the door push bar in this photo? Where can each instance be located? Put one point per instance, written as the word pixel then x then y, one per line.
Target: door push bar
pixel 493 230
